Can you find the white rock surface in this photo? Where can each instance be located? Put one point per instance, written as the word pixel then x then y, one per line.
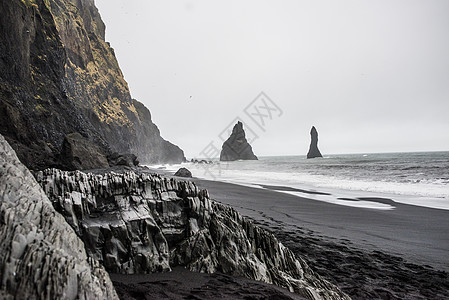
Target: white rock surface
pixel 145 223
pixel 41 257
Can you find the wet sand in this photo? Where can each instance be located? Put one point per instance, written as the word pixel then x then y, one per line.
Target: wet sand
pixel 183 284
pixel 401 253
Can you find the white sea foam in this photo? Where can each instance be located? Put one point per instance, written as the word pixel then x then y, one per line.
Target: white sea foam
pixel 416 179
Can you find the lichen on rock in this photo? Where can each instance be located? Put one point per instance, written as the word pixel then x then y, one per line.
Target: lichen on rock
pixel 58 75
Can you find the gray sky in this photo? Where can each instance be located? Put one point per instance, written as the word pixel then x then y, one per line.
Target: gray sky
pixel 372 76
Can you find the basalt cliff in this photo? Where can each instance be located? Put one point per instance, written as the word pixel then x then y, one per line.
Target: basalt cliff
pixel 41 256
pixel 140 223
pixel 62 233
pixel 59 76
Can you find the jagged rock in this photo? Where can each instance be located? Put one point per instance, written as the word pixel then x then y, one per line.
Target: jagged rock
pixel 313 149
pixel 145 223
pixel 183 172
pixel 236 146
pixel 41 257
pixel 78 153
pixel 127 159
pixel 203 161
pixel 58 75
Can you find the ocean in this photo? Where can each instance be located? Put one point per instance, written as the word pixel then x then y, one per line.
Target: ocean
pixel 373 181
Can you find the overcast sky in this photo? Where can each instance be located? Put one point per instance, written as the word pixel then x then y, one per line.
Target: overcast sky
pixel 371 76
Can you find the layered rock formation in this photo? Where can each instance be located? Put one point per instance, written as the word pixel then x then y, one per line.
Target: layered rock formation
pixel 145 223
pixel 236 146
pixel 313 149
pixel 59 76
pixel 41 257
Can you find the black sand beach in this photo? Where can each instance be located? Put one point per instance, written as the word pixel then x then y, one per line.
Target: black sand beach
pixel 183 284
pixel 371 254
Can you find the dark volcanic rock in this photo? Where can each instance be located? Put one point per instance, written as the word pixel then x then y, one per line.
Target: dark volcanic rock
pixel 145 223
pixel 78 153
pixel 183 172
pixel 41 257
pixel 58 75
pixel 236 146
pixel 313 150
pixel 128 159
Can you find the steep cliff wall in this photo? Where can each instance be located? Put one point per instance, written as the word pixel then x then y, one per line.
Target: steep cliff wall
pixel 58 76
pixel 145 223
pixel 41 257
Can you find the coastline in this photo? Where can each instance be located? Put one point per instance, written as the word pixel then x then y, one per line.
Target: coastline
pixel 369 253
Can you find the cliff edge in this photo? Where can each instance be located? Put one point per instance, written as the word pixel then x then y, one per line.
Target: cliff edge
pixel 59 76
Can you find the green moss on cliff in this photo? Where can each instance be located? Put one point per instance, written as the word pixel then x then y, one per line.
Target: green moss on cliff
pixel 58 76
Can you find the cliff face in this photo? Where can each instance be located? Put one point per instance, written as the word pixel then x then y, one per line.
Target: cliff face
pixel 236 146
pixel 59 76
pixel 313 149
pixel 41 257
pixel 145 223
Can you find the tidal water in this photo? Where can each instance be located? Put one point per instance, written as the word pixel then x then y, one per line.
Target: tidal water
pixel 420 178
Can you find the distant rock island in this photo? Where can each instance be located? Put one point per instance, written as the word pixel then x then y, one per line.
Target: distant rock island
pixel 313 150
pixel 236 146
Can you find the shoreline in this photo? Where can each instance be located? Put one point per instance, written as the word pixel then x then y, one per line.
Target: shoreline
pixel 369 253
pixel 319 190
pixel 414 228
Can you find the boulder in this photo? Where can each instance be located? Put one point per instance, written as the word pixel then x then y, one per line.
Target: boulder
pixel 41 256
pixel 236 146
pixel 128 159
pixel 78 153
pixel 313 149
pixel 183 172
pixel 140 223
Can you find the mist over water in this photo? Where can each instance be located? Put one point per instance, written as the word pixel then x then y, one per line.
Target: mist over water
pixel 420 178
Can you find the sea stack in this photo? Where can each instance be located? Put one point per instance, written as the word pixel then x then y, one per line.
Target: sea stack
pixel 236 146
pixel 313 150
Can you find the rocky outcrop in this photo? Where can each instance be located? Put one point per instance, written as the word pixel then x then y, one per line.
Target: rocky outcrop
pixel 41 257
pixel 313 149
pixel 236 146
pixel 183 172
pixel 127 159
pixel 78 153
pixel 59 76
pixel 145 223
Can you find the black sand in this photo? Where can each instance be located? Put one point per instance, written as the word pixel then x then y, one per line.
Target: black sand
pixel 371 254
pixel 182 284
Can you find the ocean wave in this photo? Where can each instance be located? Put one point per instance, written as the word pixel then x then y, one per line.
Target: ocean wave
pixel 412 179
